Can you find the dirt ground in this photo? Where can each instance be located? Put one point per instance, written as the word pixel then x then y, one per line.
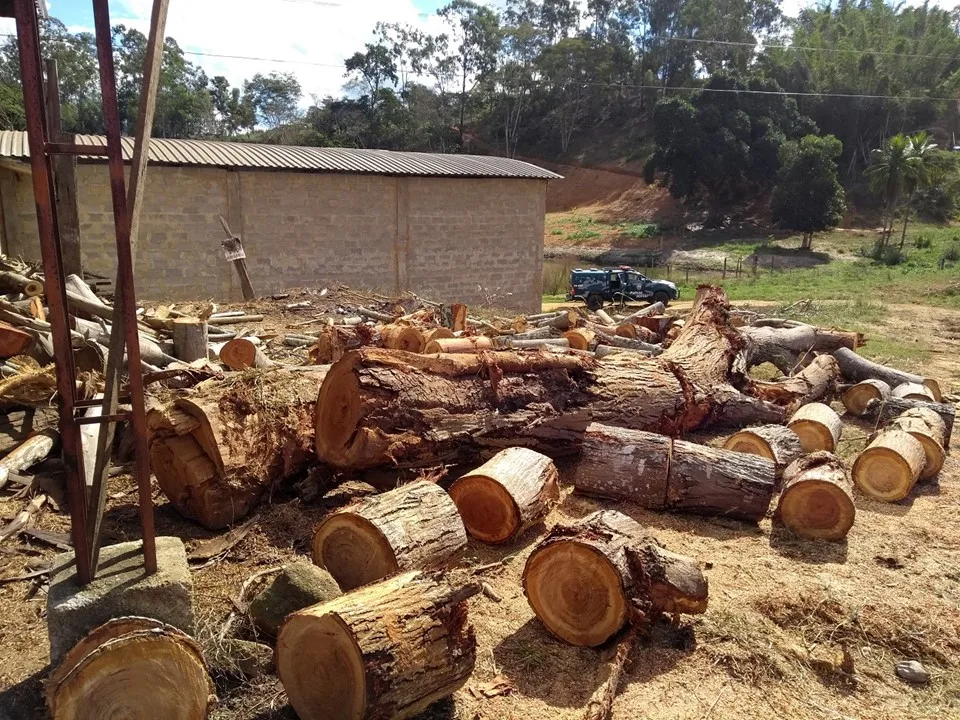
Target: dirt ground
pixel 795 629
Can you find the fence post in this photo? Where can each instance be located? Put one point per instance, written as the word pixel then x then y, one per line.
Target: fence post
pixel 687 280
pixel 724 276
pixel 756 259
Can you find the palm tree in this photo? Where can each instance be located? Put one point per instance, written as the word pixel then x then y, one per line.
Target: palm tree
pixel 922 168
pixel 886 177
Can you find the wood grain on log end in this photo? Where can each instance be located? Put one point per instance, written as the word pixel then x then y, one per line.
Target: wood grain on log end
pixel 856 398
pixel 888 469
pixel 817 426
pixel 817 498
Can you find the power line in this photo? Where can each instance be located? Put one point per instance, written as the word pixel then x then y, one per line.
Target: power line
pixel 262 59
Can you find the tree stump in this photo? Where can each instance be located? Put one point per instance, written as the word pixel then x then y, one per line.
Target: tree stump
pixel 242 354
pixel 856 399
pixel 387 650
pixel 131 667
pixel 402 337
pixel 509 493
pixel 774 442
pixel 412 527
pixel 817 498
pixel 470 344
pixel 930 431
pixel 817 426
pixel 913 391
pixel 890 466
pixel 190 340
pixel 585 581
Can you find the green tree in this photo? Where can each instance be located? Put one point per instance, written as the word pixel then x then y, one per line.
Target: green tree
pixel 232 112
pixel 275 99
pixel 372 70
pixel 808 196
pixel 886 178
pixel 923 168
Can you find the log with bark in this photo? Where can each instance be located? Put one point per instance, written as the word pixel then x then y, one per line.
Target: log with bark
pixel 817 498
pixel 413 527
pixel 216 448
pixel 387 650
pixel 791 348
pixel 28 453
pixel 656 308
pixel 243 354
pixel 930 431
pixel 856 368
pixel 890 466
pixel 132 667
pixel 14 341
pixel 563 320
pixel 11 283
pixel 587 580
pixel 17 425
pixel 857 397
pixel 509 493
pixel 816 381
pixel 190 339
pixel 605 318
pixel 660 473
pixel 913 391
pixel 402 337
pixel 892 407
pixel 383 408
pixel 600 704
pixel 817 426
pixel 437 333
pixel 581 339
pixel 774 442
pixel 335 340
pixel 455 345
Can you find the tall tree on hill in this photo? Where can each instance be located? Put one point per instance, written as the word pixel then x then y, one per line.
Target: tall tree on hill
pixel 275 99
pixel 808 196
pixel 923 168
pixel 886 176
pixel 232 111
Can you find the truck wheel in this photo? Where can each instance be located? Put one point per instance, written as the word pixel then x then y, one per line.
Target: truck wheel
pixel 594 302
pixel 660 297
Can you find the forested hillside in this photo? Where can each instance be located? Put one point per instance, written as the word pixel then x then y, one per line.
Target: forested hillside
pixel 708 94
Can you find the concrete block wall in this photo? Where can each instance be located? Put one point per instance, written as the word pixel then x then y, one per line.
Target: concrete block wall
pixel 478 241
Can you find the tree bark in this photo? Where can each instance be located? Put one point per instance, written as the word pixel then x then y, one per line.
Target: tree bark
pixel 17 425
pixel 815 381
pixel 659 473
pixel 509 493
pixel 856 368
pixel 892 407
pixel 382 408
pixel 774 442
pixel 11 282
pixel 242 354
pixel 621 575
pixel 913 391
pixel 790 348
pixel 817 426
pixel 890 466
pixel 413 527
pixel 656 308
pixel 219 446
pixel 470 344
pixel 388 650
pixel 335 340
pixel 930 431
pixel 856 398
pixel 190 339
pixel 817 498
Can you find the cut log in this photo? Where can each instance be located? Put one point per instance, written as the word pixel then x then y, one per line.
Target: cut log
pixel 791 348
pixel 11 282
pixel 659 473
pixel 890 466
pixel 817 498
pixel 234 319
pixel 459 345
pixel 586 581
pixel 17 425
pixel 28 453
pixel 381 408
pixel 14 341
pixel 152 672
pixel 563 320
pixel 387 650
pixel 856 368
pixel 817 426
pixel 413 527
pixel 893 407
pixel 509 493
pixel 913 391
pixel 628 344
pixel 856 398
pixel 190 339
pixel 930 431
pixel 773 442
pixel 603 351
pixel 402 337
pixel 458 313
pixel 580 339
pixel 438 333
pixel 242 354
pixel 814 382
pixel 217 448
pixel 656 308
pixel 535 334
pixel 334 340
pixel 513 343
pixel 605 318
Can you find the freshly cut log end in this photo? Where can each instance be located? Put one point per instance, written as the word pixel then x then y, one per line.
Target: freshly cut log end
pixel 773 442
pixel 817 426
pixel 627 330
pixel 856 399
pixel 415 526
pixel 129 668
pixel 929 429
pixel 888 469
pixel 439 333
pixel 242 354
pixel 580 339
pixel 506 495
pixel 914 391
pixel 13 340
pixel 402 337
pixel 817 498
pixel 459 345
pixel 856 368
pixel 387 650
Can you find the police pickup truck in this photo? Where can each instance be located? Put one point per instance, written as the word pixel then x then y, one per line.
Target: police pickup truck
pixel 618 285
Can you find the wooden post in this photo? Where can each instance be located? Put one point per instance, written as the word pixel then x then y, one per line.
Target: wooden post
pixel 724 276
pixel 64 178
pixel 756 259
pixel 190 339
pixel 239 261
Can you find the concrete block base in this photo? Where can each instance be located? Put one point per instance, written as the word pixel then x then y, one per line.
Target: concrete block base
pixel 121 588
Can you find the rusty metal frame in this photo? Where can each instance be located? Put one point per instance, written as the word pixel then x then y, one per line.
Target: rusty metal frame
pixel 28 38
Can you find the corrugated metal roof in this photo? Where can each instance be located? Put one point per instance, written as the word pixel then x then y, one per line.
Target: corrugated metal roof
pixel 211 153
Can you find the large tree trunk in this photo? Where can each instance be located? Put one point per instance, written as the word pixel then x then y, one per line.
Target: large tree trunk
pixel 773 442
pixel 791 348
pixel 218 447
pixel 659 473
pixel 509 493
pixel 817 498
pixel 382 408
pixel 385 651
pixel 889 408
pixel 415 526
pixel 857 368
pixel 586 581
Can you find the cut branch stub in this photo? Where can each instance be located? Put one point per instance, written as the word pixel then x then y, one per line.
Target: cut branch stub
pixel 930 431
pixel 856 398
pixel 773 442
pixel 817 426
pixel 506 495
pixel 888 469
pixel 412 527
pixel 386 651
pixel 817 498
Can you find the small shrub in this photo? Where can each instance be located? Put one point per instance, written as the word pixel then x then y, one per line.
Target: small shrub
pixel 583 235
pixel 640 231
pixel 556 231
pixel 922 242
pixel 951 254
pixel 888 255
